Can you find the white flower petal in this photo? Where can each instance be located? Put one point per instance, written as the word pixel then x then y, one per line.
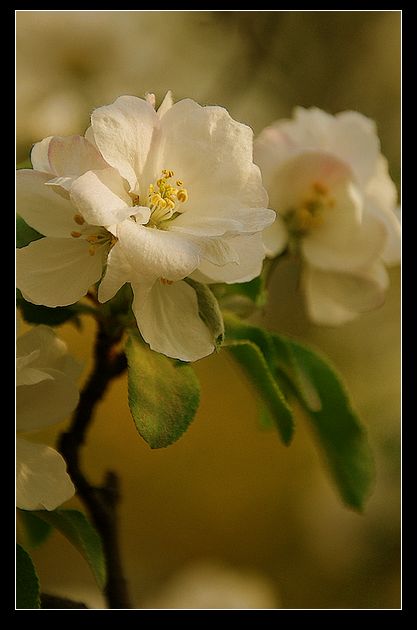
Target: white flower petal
pixel 41 207
pixel 26 374
pixel 336 298
pixel 123 132
pixel 381 199
pixel 210 152
pixel 217 215
pixel 168 319
pixel 57 272
pixel 45 402
pixel 275 238
pixel 312 128
pixel 166 104
pixel 39 155
pixel 333 248
pixel 156 253
pixel 41 478
pixel 391 254
pixel 101 197
pixel 47 351
pixel 73 156
pixel 251 253
pixel 355 141
pixel 118 272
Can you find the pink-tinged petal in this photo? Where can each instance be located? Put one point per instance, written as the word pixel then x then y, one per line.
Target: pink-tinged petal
pixel 336 298
pixel 294 182
pixel 275 238
pixel 156 253
pixel 41 478
pixel 331 247
pixel 210 152
pixel 123 132
pixel 101 197
pixel 73 156
pixel 168 319
pixel 39 156
pixel 58 272
pixel 41 207
pixel 251 253
pixel 118 272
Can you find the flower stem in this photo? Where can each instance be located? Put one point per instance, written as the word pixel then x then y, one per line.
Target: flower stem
pixel 101 501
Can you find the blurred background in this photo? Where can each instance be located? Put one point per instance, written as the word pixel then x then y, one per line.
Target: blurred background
pixel 228 517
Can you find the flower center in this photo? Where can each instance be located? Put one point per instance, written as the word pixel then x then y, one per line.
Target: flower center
pixel 310 214
pixel 95 236
pixel 165 199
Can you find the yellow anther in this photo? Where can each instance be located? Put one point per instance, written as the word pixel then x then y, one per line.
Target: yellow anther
pixel 92 250
pixel 169 203
pixel 179 182
pixel 167 173
pixel 182 195
pixel 75 234
pixel 165 281
pixel 79 219
pixel 92 239
pixel 320 189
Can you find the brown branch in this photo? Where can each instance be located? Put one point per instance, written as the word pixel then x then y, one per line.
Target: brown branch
pixel 101 501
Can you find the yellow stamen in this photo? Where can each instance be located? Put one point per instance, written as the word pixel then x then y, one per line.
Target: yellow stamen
pixel 165 281
pixel 75 234
pixel 79 219
pixel 92 250
pixel 182 195
pixel 320 188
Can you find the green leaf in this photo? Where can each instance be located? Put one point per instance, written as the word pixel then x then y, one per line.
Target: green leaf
pixel 35 531
pixel 24 164
pixel 164 394
pixel 80 533
pixel 209 311
pixel 27 582
pixel 341 436
pixel 319 388
pixel 24 233
pixel 38 314
pixel 242 298
pixel 253 362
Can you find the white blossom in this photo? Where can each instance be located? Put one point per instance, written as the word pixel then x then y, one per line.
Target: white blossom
pixel 336 208
pixel 46 392
pixel 155 197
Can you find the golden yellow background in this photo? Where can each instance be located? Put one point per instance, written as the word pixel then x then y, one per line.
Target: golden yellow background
pixel 228 498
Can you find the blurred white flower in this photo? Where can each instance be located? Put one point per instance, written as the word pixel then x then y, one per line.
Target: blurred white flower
pixel 46 392
pixel 158 196
pixel 336 208
pixel 212 584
